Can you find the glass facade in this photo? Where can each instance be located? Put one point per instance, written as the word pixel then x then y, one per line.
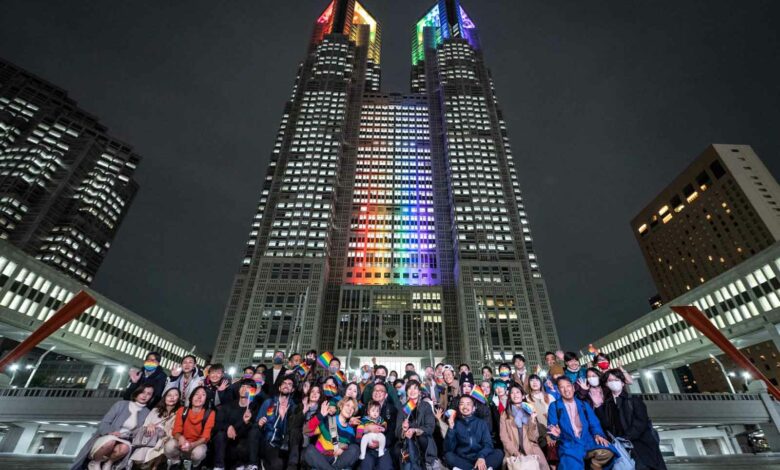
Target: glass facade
pixel 403 211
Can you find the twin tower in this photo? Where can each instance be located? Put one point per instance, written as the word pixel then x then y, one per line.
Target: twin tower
pixel 389 225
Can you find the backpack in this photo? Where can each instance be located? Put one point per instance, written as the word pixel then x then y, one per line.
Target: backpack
pixel 202 423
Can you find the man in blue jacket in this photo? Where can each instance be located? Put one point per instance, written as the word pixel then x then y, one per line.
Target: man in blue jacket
pixel 578 431
pixel 468 443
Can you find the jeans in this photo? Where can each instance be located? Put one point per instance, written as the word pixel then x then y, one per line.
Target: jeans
pixel 374 462
pixel 494 459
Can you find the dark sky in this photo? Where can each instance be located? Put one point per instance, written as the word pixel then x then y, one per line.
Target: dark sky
pixel 606 101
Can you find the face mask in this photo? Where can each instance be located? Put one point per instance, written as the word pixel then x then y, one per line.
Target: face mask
pixel 278 360
pixel 150 366
pixel 366 376
pixel 615 385
pixel 380 379
pixel 333 369
pixel 593 381
pixel 248 376
pixel 603 365
pixel 310 361
pixel 393 378
pixel 503 373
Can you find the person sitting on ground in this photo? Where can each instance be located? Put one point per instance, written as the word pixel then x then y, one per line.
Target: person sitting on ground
pixel 415 427
pixel 231 429
pixel 269 439
pixel 110 445
pixel 149 441
pixel 299 437
pixel 191 431
pixel 468 444
pixel 152 374
pixel 519 428
pixel 578 431
pixel 389 414
pixel 335 447
pixel 625 415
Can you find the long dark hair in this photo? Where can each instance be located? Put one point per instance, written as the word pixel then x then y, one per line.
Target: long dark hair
pixel 162 408
pixel 509 410
pixel 206 404
pixel 140 390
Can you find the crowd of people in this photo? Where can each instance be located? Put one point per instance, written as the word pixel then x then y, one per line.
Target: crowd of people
pixel 304 412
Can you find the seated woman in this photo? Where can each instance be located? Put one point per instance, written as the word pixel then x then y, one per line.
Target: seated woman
pixel 625 415
pixel 520 429
pixel 415 426
pixel 110 445
pixel 191 431
pixel 335 447
pixel 157 429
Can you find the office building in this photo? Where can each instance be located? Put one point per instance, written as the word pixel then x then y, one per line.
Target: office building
pixel 721 210
pixel 390 225
pixel 65 182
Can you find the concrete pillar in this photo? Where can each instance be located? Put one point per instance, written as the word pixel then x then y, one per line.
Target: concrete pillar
pixel 771 429
pixel 26 437
pixel 71 443
pixel 118 380
pixel 93 381
pixel 671 380
pixel 774 335
pixel 648 380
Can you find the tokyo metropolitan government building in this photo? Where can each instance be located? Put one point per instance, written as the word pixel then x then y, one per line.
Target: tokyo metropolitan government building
pixel 390 225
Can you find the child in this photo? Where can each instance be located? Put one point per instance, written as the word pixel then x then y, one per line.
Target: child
pixel 372 417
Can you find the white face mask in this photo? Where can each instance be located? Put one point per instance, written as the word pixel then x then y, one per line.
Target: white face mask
pixel 615 385
pixel 593 381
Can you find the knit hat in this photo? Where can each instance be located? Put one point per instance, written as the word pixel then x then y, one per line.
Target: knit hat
pixel 466 377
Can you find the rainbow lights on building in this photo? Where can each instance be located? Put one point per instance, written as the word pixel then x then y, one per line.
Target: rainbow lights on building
pixel 392 233
pixel 441 31
pixel 360 16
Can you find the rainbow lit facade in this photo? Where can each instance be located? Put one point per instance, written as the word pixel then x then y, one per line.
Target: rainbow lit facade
pixel 392 233
pixel 441 30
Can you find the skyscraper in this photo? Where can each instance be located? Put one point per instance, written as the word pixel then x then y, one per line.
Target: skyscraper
pixel 721 210
pixel 390 225
pixel 65 183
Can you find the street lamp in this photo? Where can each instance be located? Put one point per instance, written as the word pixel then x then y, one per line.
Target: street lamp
pixel 723 369
pixel 14 368
pixel 747 377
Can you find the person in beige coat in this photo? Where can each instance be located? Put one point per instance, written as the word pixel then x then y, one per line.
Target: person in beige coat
pixel 519 431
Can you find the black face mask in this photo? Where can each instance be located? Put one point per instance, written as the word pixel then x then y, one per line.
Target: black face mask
pixel 381 379
pixel 310 361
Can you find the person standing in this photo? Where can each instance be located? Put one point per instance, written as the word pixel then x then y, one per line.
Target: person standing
pixel 186 378
pixel 274 375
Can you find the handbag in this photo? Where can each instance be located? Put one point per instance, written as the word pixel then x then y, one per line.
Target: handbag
pixel 523 462
pixel 551 452
pixel 623 448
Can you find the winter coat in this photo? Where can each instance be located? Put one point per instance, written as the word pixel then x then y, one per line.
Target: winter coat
pixel 510 438
pixel 626 416
pixel 111 422
pixel 176 382
pixel 421 418
pixel 469 439
pixel 156 379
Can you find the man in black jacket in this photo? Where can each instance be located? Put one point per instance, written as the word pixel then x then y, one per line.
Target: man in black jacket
pixel 275 375
pixel 152 374
pixel 231 429
pixel 217 387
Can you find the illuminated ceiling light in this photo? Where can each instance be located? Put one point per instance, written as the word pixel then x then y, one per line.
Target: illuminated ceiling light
pixel 643 228
pixel 663 210
pixel 692 197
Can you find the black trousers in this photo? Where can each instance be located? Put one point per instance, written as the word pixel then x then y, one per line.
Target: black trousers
pixel 230 451
pixel 261 451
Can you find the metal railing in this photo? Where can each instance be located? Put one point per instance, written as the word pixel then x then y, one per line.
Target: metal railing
pixel 700 396
pixel 60 393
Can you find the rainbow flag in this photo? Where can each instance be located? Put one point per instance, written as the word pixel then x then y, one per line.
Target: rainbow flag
pixel 303 369
pixel 439 380
pixel 424 388
pixel 409 407
pixel 340 378
pixel 324 359
pixel 150 365
pixel 476 393
pixel 251 393
pixel 270 411
pixel 330 389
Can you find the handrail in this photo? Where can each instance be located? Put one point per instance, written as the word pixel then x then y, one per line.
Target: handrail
pixel 700 396
pixel 60 393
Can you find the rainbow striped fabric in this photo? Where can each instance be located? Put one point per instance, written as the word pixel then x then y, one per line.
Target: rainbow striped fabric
pixel 324 359
pixel 149 366
pixel 330 390
pixel 270 411
pixel 477 394
pixel 409 407
pixel 318 425
pixel 341 379
pixel 251 392
pixel 303 369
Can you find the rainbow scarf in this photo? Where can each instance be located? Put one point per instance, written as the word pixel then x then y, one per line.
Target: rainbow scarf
pixel 303 369
pixel 324 359
pixel 150 366
pixel 476 393
pixel 330 390
pixel 409 407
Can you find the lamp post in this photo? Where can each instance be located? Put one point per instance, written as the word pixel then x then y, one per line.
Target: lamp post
pixel 725 374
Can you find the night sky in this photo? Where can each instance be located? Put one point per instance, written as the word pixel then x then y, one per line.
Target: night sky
pixel 606 101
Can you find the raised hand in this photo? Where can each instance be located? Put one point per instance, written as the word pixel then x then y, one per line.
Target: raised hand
pixel 135 375
pixel 554 430
pixel 451 420
pixel 224 385
pixel 325 408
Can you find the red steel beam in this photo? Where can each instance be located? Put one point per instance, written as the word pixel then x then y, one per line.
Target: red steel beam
pixel 75 307
pixel 699 320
